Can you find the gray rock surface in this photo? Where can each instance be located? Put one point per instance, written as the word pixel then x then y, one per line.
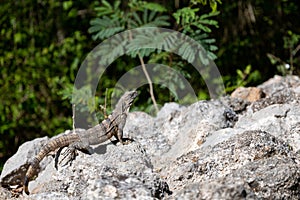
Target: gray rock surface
pixel 220 149
pixel 251 164
pixel 111 172
pixel 15 167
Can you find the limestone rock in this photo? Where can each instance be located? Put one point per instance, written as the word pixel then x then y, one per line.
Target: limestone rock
pixel 230 148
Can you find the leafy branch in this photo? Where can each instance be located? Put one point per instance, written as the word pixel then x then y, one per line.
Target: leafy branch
pixel 112 20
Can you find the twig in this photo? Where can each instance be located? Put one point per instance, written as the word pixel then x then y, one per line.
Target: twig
pixel 149 82
pixel 291 61
pixel 296 50
pixel 147 77
pixel 73 118
pixel 103 108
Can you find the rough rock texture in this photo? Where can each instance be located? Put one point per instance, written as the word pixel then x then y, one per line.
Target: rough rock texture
pixel 253 164
pixel 250 94
pixel 231 148
pixel 15 168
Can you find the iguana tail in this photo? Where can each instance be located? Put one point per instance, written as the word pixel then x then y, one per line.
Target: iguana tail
pixel 52 145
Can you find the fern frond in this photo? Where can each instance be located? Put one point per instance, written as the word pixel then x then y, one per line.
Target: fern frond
pixel 170 42
pixel 209 15
pixel 150 40
pixel 202 27
pixel 154 7
pixel 104 27
pixel 148 20
pixel 111 49
pixel 187 52
pixel 108 9
pixel 142 5
pixel 203 58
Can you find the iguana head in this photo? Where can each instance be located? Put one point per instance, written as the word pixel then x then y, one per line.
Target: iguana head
pixel 126 101
pixel 131 96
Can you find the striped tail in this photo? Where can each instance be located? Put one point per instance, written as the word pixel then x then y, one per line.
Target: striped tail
pixel 62 141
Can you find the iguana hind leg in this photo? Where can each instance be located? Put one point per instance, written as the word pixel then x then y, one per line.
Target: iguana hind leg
pixel 71 152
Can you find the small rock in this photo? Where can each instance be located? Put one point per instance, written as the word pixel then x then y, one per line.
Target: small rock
pixel 250 93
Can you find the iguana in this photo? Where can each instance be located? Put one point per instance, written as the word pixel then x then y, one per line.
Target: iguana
pixel 111 126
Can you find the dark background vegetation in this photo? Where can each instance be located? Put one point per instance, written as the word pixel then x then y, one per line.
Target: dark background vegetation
pixel 42 45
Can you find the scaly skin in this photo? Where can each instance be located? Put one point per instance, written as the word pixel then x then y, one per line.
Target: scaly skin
pixel 112 126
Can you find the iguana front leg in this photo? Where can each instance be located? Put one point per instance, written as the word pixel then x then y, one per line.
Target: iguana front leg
pixel 121 125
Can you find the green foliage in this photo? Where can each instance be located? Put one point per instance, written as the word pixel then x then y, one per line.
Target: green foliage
pixel 212 3
pixel 85 102
pixel 148 19
pixel 138 14
pixel 105 27
pixel 109 10
pixel 190 21
pixel 39 57
pixel 253 29
pixel 197 27
pixel 242 78
pixel 139 5
pixel 290 41
pixel 292 45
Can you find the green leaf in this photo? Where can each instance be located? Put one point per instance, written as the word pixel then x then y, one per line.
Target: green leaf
pixel 185 15
pixel 202 27
pixel 213 5
pixel 239 73
pixel 67 5
pixel 18 38
pixel 107 9
pixel 117 4
pixel 148 20
pixel 248 69
pixel 203 59
pixel 154 7
pixel 104 27
pixel 106 4
pixel 137 19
